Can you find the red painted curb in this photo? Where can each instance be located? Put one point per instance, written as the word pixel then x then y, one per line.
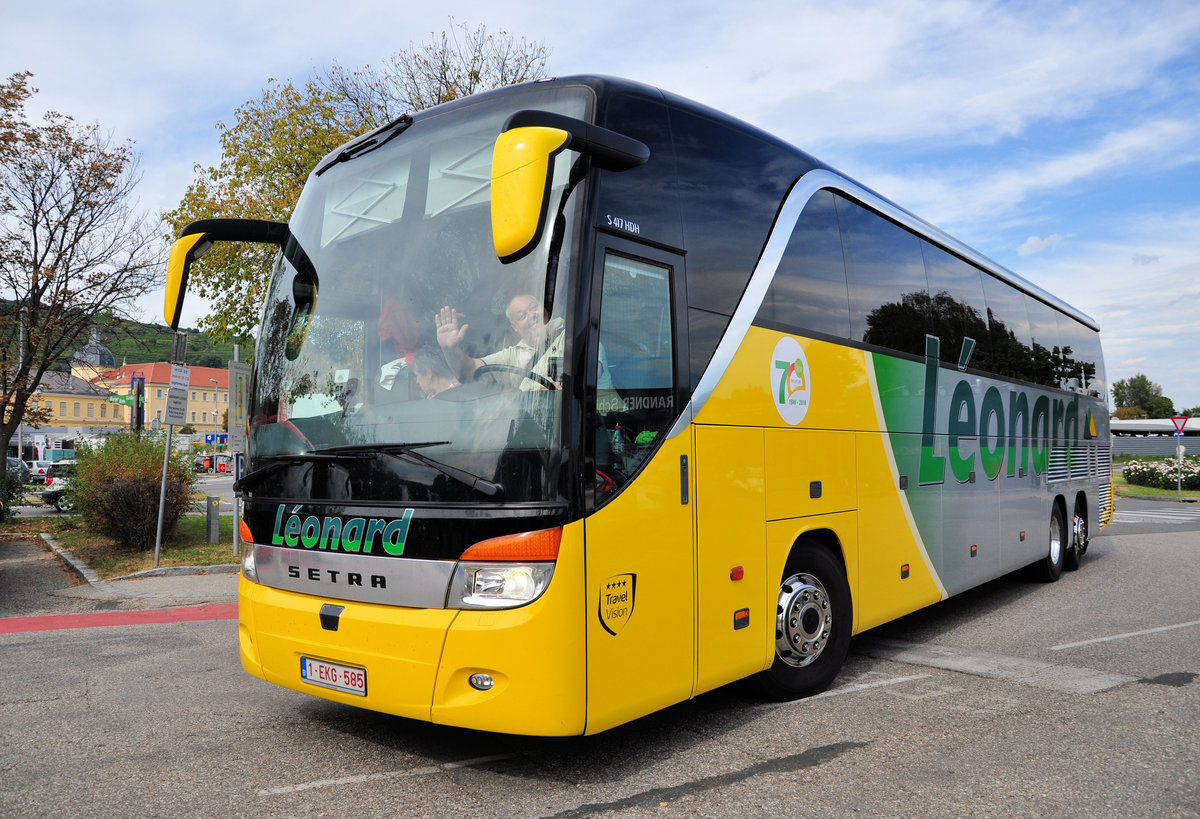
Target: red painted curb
pixel 219 611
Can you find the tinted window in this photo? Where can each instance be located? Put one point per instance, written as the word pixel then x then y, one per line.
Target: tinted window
pixel 646 196
pixel 1047 346
pixel 731 184
pixel 957 308
pixel 1008 328
pixel 704 334
pixel 1083 361
pixel 809 288
pixel 885 276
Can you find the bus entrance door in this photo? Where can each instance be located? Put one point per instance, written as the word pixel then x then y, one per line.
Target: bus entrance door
pixel 641 595
pixel 640 562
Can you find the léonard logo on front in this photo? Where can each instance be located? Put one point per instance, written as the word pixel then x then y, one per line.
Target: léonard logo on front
pixel 791 380
pixel 333 534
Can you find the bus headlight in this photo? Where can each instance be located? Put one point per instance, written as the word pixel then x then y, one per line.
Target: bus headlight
pixel 499 585
pixel 249 566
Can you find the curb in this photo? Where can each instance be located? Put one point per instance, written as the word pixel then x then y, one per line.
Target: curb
pixel 93 579
pixel 179 571
pixel 78 566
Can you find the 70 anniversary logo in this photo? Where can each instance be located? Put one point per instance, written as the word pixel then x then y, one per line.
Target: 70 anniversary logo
pixel 792 379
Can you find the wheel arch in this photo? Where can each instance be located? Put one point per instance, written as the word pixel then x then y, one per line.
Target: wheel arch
pixel 827 539
pixel 823 537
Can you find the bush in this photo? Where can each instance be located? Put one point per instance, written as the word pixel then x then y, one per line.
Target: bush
pixel 1163 474
pixel 116 488
pixel 12 489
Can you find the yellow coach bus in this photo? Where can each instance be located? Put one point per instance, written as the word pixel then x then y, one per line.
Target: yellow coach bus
pixel 575 399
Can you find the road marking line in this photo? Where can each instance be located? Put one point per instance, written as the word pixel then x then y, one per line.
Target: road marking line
pixel 851 688
pixel 983 664
pixel 375 777
pixel 54 622
pixel 854 688
pixel 1124 636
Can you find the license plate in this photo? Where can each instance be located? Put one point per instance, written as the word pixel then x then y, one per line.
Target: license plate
pixel 331 675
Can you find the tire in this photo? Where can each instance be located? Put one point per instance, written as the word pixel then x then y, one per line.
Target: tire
pixel 814 616
pixel 1078 537
pixel 1050 567
pixel 63 505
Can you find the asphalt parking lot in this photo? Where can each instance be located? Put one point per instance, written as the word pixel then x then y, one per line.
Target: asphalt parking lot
pixel 1078 698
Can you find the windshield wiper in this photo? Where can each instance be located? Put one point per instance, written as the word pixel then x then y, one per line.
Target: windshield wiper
pixel 369 142
pixel 400 451
pixel 282 461
pixel 362 451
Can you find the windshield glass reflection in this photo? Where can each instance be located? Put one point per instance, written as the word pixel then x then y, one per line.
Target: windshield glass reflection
pixel 390 326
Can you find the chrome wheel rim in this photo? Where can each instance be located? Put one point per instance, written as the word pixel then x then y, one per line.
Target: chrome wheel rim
pixel 804 620
pixel 1056 539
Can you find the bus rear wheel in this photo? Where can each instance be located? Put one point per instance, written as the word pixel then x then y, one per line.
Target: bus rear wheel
pixel 812 625
pixel 1079 538
pixel 1050 567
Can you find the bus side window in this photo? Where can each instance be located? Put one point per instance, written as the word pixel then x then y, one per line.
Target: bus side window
pixel 635 385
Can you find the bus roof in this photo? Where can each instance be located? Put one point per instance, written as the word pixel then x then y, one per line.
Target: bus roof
pixel 604 87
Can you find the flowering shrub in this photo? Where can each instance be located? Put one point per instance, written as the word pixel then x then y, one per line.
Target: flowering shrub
pixel 1163 474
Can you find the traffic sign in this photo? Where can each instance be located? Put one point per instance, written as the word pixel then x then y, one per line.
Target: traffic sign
pixel 176 409
pixel 1180 421
pixel 181 376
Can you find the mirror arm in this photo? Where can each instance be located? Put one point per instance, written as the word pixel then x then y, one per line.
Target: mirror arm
pixel 609 150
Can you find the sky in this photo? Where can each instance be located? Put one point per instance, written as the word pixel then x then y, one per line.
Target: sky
pixel 1061 140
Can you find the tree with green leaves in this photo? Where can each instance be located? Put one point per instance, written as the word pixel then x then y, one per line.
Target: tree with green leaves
pixel 1140 392
pixel 278 138
pixel 72 248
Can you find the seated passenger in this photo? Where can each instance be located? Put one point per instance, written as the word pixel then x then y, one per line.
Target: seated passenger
pixel 397 326
pixel 431 373
pixel 539 350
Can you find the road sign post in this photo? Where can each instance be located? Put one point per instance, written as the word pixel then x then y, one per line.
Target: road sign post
pixel 1180 421
pixel 181 377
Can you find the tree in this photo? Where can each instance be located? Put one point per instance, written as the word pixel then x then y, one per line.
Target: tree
pixel 277 139
pixel 72 250
pixel 1140 391
pixel 1129 413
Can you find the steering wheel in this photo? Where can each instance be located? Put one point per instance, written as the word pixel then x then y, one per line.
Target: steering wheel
pixel 521 371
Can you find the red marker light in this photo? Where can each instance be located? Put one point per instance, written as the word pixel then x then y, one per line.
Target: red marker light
pixel 737 573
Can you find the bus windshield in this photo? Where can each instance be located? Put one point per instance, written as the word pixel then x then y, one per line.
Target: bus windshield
pixel 398 359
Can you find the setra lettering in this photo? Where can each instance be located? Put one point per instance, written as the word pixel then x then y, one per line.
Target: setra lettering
pixel 335 577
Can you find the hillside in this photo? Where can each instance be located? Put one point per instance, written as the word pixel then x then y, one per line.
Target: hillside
pixel 138 343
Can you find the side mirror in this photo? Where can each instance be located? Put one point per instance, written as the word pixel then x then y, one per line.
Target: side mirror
pixel 522 165
pixel 196 239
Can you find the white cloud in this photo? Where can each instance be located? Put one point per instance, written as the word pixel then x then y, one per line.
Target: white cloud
pixel 886 72
pixel 1035 245
pixel 1067 101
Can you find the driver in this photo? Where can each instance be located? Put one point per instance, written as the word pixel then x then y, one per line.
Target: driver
pixel 541 342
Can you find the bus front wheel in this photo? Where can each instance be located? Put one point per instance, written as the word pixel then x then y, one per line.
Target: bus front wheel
pixel 812 625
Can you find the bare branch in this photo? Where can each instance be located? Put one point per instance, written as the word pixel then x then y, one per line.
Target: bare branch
pixel 72 249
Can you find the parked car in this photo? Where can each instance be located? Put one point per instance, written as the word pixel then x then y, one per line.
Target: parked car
pixel 18 466
pixel 208 462
pixel 58 478
pixel 37 471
